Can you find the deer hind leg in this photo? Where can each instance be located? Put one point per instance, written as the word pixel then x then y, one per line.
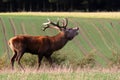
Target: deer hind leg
pixel 19 56
pixel 13 59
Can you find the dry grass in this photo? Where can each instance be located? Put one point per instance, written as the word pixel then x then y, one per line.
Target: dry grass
pixel 112 15
pixel 61 70
pixel 61 74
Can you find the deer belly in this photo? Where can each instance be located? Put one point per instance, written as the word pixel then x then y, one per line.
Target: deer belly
pixel 36 50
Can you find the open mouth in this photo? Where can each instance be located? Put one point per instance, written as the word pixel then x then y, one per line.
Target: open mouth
pixel 77 31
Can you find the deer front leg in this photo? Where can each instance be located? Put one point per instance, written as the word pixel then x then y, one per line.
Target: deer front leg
pixel 50 61
pixel 39 61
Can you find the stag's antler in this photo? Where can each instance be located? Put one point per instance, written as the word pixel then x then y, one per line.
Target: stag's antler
pixel 55 25
pixel 65 22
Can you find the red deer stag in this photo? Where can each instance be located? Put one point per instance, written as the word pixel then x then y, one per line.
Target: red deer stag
pixel 42 45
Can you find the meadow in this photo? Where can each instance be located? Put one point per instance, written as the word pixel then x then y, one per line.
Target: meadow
pixel 98 44
pixel 61 74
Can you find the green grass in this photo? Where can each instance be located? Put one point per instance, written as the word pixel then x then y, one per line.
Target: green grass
pixel 97 35
pixel 60 74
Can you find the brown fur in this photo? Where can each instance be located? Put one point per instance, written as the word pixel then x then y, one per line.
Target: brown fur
pixel 39 45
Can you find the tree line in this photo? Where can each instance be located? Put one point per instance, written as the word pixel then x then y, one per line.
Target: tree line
pixel 59 5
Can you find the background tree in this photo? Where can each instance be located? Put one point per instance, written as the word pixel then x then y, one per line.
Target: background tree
pixel 59 5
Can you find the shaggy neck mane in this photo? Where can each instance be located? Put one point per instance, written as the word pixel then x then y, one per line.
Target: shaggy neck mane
pixel 58 41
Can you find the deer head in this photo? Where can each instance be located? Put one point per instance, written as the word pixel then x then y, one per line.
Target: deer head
pixel 69 33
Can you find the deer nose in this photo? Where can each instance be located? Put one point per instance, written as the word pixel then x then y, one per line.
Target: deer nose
pixel 77 28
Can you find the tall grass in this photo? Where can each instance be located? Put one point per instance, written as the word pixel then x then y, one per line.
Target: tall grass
pixel 61 74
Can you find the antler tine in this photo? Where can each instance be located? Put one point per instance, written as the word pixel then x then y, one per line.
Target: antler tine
pixel 58 21
pixel 55 25
pixel 46 25
pixel 49 23
pixel 44 28
pixel 65 22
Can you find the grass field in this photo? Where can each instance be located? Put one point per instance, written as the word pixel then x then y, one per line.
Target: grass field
pixel 99 36
pixel 99 33
pixel 61 74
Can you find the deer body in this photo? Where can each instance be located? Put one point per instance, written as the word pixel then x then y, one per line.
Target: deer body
pixel 37 44
pixel 40 45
